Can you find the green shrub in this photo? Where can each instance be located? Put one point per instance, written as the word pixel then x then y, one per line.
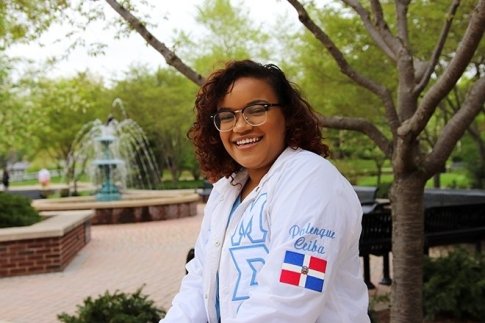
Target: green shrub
pixel 16 211
pixel 454 286
pixel 382 301
pixel 188 184
pixel 116 308
pixel 383 190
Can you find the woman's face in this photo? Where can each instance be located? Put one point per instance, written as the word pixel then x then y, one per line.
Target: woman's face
pixel 254 147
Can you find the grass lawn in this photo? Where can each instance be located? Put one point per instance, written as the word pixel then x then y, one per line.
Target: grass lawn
pixel 55 180
pixel 448 180
pixel 359 172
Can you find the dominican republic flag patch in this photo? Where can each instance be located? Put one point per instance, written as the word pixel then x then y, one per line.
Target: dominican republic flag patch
pixel 303 270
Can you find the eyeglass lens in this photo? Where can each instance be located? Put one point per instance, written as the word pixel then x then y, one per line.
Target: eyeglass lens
pixel 254 115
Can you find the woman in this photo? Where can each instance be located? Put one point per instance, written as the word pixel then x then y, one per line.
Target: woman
pixel 280 234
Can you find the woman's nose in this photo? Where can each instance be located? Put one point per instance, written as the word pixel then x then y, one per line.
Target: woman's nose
pixel 241 123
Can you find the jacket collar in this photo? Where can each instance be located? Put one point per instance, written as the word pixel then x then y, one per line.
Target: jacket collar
pixel 240 177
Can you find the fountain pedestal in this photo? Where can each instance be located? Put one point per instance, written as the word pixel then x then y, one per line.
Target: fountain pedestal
pixel 108 190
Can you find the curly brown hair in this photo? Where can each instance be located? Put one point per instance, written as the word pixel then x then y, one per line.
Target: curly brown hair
pixel 302 126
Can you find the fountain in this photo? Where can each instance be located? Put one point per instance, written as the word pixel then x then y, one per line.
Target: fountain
pixel 107 166
pixel 116 157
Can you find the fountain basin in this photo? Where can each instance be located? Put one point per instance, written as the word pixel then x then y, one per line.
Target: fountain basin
pixel 135 206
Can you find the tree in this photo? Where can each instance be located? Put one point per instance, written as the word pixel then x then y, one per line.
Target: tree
pixel 332 93
pixel 24 20
pixel 225 26
pixel 62 107
pixel 408 110
pixel 20 21
pixel 147 94
pixel 17 118
pixel 472 146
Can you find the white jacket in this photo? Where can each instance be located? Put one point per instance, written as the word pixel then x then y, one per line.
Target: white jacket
pixel 289 254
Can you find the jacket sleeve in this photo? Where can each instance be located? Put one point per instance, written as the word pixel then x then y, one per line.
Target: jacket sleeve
pixel 314 214
pixel 188 305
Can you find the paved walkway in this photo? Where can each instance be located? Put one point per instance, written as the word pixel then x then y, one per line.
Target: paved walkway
pixel 119 257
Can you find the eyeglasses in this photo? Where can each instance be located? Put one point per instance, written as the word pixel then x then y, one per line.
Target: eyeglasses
pixel 254 115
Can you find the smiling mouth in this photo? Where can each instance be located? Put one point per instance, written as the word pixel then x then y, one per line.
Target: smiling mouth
pixel 247 141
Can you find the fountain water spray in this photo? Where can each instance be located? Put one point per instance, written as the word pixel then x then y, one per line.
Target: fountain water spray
pixel 115 155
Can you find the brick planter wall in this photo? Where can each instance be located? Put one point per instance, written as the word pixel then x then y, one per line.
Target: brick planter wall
pixel 145 213
pixel 135 206
pixel 43 254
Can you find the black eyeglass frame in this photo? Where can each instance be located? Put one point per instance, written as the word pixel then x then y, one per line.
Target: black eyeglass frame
pixel 265 105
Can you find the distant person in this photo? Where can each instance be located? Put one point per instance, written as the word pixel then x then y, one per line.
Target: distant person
pixel 44 177
pixel 5 179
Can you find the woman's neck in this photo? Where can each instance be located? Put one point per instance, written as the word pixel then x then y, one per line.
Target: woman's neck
pixel 251 183
pixel 247 188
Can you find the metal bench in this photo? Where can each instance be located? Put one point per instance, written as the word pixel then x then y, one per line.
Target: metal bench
pixel 443 225
pixel 376 238
pixel 366 194
pixel 453 224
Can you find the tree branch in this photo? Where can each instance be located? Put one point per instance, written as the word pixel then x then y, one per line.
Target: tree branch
pixel 378 13
pixel 361 125
pixel 451 75
pixel 456 127
pixel 438 48
pixel 402 24
pixel 382 92
pixel 170 57
pixel 406 64
pixel 381 35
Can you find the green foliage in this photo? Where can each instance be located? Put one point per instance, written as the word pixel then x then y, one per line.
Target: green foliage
pixel 116 308
pixel 383 190
pixel 24 20
pixel 161 103
pixel 471 158
pixel 331 92
pixel 448 180
pixel 363 172
pixel 193 184
pixel 427 20
pixel 375 301
pixel 372 180
pixel 455 286
pixel 62 107
pixel 455 179
pixel 15 116
pixel 228 33
pixel 16 211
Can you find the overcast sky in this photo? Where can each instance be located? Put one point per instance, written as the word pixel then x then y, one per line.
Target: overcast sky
pixel 121 53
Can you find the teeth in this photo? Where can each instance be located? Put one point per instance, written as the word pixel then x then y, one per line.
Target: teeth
pixel 247 141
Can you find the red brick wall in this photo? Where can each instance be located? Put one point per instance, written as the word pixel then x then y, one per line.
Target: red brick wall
pixel 32 256
pixel 145 213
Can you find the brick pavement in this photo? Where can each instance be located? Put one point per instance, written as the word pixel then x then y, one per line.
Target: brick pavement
pixel 119 257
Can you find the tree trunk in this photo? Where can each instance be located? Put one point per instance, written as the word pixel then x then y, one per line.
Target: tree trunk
pixel 407 203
